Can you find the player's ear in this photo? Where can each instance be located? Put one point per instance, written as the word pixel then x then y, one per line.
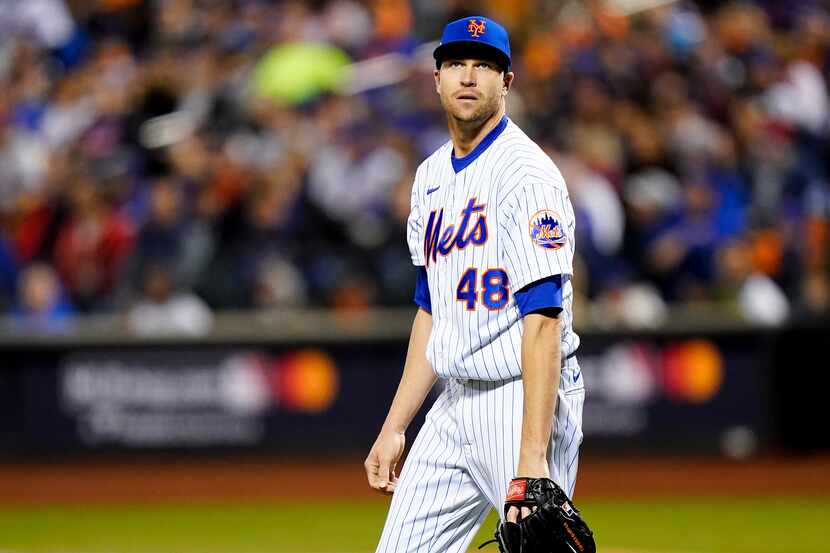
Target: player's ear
pixel 437 75
pixel 508 81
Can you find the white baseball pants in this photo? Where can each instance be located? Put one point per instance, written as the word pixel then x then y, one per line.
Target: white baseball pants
pixel 464 457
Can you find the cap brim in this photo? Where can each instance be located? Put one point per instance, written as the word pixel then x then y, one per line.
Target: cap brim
pixel 470 49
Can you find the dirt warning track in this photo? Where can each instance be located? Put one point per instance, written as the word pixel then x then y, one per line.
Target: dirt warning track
pixel 265 479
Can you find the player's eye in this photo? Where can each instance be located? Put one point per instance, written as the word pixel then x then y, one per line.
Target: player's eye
pixel 456 64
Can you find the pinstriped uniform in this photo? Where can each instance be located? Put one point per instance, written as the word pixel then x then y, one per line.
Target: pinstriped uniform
pixel 479 225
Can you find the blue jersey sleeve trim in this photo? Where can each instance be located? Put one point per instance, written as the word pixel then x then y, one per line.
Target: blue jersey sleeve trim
pixel 422 291
pixel 542 294
pixel 460 163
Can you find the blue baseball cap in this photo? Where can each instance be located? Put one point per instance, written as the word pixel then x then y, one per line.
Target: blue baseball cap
pixel 475 32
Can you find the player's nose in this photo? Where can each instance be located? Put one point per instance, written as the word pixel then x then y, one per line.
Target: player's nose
pixel 468 75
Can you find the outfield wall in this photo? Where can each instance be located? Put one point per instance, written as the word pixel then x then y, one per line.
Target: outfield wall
pixel 738 390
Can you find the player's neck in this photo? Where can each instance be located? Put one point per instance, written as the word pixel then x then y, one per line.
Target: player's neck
pixel 467 135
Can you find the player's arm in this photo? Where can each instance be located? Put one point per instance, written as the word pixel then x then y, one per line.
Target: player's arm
pixel 540 377
pixel 418 377
pixel 538 224
pixel 540 304
pixel 416 382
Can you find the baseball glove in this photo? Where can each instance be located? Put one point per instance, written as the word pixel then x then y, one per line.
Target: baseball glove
pixel 554 527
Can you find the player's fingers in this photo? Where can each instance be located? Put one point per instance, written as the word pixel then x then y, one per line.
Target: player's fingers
pixel 386 482
pixel 512 515
pixel 393 483
pixel 372 466
pixel 384 473
pixel 526 512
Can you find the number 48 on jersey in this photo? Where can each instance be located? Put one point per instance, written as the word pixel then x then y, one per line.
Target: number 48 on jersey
pixel 493 291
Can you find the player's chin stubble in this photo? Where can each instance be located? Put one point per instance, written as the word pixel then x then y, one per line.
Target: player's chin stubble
pixel 484 109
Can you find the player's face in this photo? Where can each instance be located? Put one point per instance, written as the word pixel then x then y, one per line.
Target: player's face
pixel 471 90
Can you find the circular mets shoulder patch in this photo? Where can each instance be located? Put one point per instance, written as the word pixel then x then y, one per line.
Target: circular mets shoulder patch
pixel 546 230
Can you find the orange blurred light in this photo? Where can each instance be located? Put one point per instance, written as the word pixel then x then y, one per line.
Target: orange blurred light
pixel 767 251
pixel 115 5
pixel 693 371
pixel 542 57
pixel 308 381
pixel 610 22
pixel 817 238
pixel 393 19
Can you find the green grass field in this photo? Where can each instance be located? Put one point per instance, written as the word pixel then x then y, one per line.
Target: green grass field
pixel 773 525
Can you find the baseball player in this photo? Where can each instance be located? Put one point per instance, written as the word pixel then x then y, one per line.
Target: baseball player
pixel 491 232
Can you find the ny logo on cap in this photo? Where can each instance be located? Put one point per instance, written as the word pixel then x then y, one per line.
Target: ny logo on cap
pixel 476 29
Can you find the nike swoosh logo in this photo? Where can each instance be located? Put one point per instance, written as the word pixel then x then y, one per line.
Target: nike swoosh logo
pixel 576 376
pixel 431 190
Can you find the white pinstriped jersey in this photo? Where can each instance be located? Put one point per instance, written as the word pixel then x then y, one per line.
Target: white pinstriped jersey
pixel 502 222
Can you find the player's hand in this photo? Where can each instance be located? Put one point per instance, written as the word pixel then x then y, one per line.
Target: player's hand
pixel 382 461
pixel 537 469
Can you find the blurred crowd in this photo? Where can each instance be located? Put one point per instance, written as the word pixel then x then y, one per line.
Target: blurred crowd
pixel 165 159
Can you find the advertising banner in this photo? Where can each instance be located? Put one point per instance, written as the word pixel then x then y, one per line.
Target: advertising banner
pixel 644 393
pixel 679 394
